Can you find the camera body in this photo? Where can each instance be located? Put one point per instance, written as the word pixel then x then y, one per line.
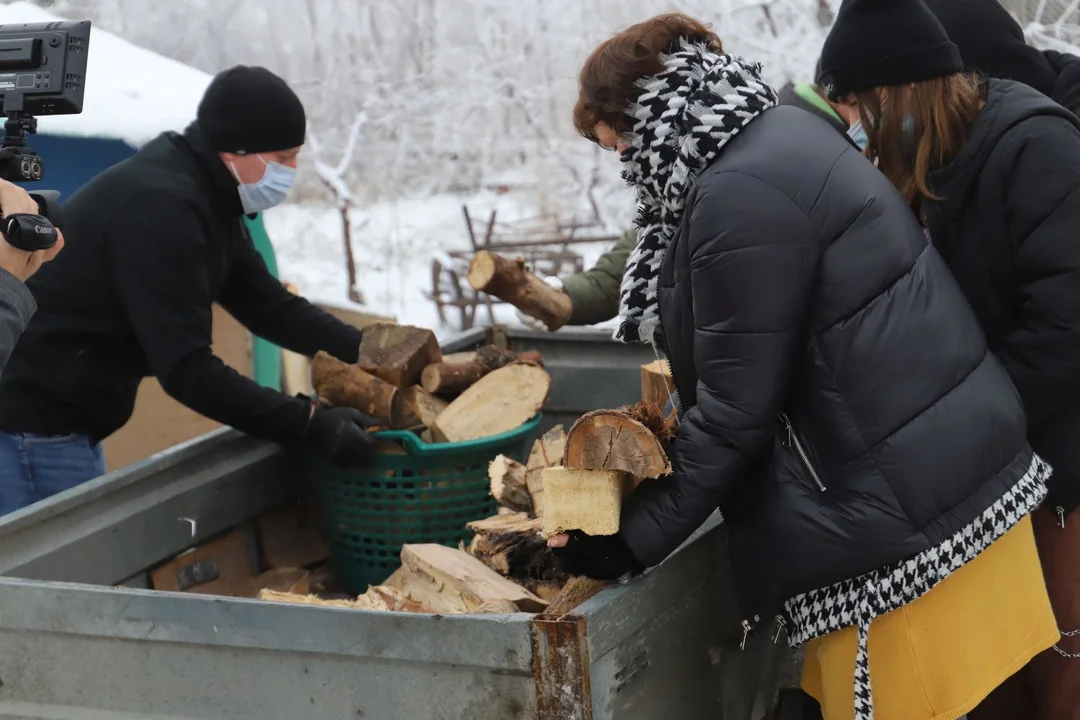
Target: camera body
pixel 42 72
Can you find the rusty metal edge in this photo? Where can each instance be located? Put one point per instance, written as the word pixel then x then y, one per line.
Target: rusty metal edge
pixel 561 668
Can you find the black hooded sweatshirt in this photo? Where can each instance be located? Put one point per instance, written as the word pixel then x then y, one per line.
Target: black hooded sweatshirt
pixel 1008 225
pixel 152 243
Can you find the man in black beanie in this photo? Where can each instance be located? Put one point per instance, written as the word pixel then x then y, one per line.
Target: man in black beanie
pixel 152 243
pixel 992 42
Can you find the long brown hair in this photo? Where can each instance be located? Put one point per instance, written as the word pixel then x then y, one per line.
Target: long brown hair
pixel 608 78
pixel 942 109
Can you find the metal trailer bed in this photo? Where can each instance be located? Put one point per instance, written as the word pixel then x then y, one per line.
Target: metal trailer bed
pixel 82 638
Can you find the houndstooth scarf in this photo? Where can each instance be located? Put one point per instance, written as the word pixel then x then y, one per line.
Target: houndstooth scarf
pixel 681 121
pixel 859 600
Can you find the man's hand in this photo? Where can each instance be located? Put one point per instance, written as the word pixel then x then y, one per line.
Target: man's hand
pixel 22 264
pixel 340 435
pixel 531 322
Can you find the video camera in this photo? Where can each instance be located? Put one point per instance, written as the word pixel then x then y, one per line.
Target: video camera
pixel 42 72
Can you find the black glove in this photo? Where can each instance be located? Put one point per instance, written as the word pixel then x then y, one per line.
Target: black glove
pixel 339 435
pixel 600 557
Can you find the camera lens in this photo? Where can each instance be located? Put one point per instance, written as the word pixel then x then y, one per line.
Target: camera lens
pixel 35 169
pixel 24 168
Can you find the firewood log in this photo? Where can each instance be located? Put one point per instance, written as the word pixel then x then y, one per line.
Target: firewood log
pixel 345 385
pixel 509 281
pixel 397 353
pixel 615 440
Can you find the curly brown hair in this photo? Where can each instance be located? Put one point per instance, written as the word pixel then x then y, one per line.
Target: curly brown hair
pixel 607 82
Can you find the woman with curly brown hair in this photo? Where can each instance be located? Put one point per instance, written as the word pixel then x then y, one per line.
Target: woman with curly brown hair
pixel 992 167
pixel 837 399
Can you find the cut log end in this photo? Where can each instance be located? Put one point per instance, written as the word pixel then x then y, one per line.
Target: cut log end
pixel 614 440
pixel 481 270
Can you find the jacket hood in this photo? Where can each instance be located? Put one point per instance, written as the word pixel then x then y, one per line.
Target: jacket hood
pixel 1008 104
pixel 1066 88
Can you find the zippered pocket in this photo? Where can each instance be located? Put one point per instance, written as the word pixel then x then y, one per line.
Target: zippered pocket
pixel 796 445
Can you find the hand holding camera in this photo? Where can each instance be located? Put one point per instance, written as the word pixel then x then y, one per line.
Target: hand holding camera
pixel 24 231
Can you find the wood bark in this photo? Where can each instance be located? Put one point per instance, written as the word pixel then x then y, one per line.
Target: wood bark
pixel 509 281
pixel 576 591
pixel 397 353
pixel 615 440
pixel 423 406
pixel 508 485
pixel 345 385
pixel 512 546
pixel 499 402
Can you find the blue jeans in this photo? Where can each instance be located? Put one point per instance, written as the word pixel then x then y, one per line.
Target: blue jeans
pixel 34 467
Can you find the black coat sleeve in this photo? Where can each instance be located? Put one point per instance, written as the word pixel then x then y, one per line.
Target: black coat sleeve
pixel 262 304
pixel 159 252
pixel 1042 209
pixel 753 255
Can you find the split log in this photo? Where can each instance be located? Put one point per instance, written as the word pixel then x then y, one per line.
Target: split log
pixel 378 597
pixel 511 545
pixel 614 440
pixel 497 607
pixel 450 581
pixel 657 385
pixel 346 385
pixel 501 401
pixel 459 357
pixel 508 484
pixel 546 452
pixel 585 500
pixel 509 281
pixel 423 406
pixel 397 353
pixel 452 378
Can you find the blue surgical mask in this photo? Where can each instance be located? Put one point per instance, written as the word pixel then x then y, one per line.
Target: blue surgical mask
pixel 271 189
pixel 858 135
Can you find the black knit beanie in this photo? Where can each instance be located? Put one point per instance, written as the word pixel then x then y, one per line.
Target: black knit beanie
pixel 992 42
pixel 251 110
pixel 876 43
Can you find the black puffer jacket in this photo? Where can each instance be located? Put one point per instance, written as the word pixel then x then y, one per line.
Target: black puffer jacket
pixel 801 289
pixel 1009 228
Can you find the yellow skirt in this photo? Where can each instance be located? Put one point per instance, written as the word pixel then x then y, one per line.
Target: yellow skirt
pixel 940 656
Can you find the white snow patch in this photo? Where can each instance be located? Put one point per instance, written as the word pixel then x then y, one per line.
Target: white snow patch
pixel 132 94
pixel 394 243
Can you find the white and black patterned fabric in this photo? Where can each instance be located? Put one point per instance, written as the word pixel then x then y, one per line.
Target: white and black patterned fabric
pixel 682 119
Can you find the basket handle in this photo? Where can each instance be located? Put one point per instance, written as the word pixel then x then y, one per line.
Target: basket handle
pixel 415 445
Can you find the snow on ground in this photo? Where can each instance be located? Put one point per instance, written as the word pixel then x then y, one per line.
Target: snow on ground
pixel 394 244
pixel 132 94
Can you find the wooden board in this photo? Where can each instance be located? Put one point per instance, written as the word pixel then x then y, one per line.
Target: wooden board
pixel 219 567
pixel 499 402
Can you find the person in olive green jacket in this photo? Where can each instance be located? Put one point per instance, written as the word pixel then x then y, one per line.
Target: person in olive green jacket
pixel 594 293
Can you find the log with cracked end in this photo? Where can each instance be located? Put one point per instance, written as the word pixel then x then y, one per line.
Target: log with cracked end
pixel 615 440
pixel 509 281
pixel 508 485
pixel 585 500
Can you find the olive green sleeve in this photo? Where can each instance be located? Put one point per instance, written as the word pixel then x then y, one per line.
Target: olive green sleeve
pixel 595 292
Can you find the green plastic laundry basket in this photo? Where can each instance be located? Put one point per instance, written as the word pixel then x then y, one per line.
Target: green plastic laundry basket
pixel 424 495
